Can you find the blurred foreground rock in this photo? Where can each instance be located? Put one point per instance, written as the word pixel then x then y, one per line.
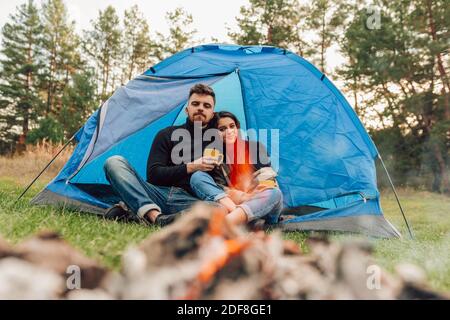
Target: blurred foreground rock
pixel 202 257
pixel 45 267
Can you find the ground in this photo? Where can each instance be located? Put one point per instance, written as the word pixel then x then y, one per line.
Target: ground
pixel 105 241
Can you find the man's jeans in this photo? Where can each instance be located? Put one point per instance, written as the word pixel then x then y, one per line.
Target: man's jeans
pixel 266 204
pixel 141 196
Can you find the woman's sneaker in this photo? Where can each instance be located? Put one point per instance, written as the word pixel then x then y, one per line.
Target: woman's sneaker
pixel 162 220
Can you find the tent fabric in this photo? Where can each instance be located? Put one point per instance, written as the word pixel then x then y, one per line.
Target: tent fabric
pixel 323 154
pixel 365 224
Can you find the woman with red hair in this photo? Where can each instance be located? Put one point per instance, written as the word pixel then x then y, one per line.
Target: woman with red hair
pixel 243 182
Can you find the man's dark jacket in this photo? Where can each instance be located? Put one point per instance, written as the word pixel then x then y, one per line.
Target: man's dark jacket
pixel 161 170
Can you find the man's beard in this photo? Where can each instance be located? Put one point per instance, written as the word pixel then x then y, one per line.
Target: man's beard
pixel 199 117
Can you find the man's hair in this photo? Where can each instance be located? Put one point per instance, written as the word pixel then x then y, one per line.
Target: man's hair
pixel 202 89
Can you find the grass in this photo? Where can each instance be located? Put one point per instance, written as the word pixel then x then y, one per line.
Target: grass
pixel 428 213
pixel 103 240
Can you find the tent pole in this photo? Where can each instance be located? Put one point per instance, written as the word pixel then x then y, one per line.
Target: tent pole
pixel 43 170
pixel 396 197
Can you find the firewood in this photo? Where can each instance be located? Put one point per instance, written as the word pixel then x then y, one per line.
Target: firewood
pixel 23 280
pixel 48 250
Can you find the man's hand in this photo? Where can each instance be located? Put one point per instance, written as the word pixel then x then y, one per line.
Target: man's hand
pixel 201 164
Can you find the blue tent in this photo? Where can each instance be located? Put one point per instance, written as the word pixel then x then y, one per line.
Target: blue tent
pixel 326 159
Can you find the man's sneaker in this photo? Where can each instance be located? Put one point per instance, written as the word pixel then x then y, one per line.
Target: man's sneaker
pixel 118 212
pixel 166 219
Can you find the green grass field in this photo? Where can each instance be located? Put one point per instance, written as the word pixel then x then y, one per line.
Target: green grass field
pixel 429 215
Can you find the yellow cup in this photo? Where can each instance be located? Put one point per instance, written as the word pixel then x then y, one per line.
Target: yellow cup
pixel 268 183
pixel 214 154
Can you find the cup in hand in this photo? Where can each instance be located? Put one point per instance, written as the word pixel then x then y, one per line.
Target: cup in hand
pixel 213 155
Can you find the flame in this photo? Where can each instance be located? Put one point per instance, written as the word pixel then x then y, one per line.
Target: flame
pixel 231 248
pixel 217 223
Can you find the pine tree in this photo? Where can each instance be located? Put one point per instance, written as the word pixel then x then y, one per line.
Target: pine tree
pixel 271 22
pixel 325 19
pixel 61 50
pixel 102 44
pixel 20 102
pixel 79 101
pixel 136 44
pixel 180 37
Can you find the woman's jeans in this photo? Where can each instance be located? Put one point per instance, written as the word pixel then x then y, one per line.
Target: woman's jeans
pixel 141 196
pixel 266 204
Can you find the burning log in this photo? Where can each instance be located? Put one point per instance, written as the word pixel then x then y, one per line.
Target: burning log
pixel 5 249
pixel 172 262
pixel 22 280
pixel 50 251
pixel 202 257
pixel 38 268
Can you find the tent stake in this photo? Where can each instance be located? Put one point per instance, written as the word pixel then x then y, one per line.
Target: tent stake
pixel 43 170
pixel 396 197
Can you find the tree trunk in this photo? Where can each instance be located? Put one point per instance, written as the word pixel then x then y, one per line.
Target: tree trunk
pixel 441 69
pixel 51 84
pixel 322 46
pixel 104 77
pixel 21 144
pixel 442 167
pixel 49 95
pixel 270 35
pixel 107 78
pixel 130 75
pixel 133 60
pixel 355 91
